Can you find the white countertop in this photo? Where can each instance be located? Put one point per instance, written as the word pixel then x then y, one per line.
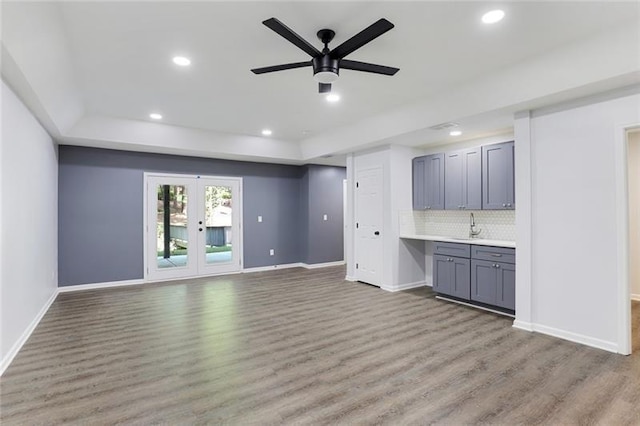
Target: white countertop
pixel 474 241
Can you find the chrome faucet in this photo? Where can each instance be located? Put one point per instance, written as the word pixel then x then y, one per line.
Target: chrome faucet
pixel 473 232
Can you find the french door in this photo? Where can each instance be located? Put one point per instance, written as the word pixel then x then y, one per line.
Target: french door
pixel 192 226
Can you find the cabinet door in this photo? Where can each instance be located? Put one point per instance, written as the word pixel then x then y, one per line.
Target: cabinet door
pixel 484 281
pixel 498 188
pixel 463 179
pixel 453 178
pixel 418 183
pixel 434 182
pixel 451 276
pixel 441 274
pixel 506 294
pixel 461 280
pixel 472 179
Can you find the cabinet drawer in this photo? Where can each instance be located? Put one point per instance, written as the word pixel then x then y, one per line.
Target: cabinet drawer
pixel 494 254
pixel 452 249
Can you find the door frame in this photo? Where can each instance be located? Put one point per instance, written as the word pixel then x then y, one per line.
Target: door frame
pixel 145 233
pixel 622 230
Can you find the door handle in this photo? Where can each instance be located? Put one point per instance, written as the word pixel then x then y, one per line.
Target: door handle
pixel 376 233
pixel 200 223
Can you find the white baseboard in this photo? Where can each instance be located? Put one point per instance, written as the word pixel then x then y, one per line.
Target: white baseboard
pixel 350 278
pixel 25 335
pixel 80 287
pixel 272 267
pixel 322 265
pixel 406 286
pixel 567 335
pixel 293 265
pixel 523 325
pixel 635 297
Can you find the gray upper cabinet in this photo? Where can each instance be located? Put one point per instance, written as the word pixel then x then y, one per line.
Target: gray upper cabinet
pixel 418 183
pixel 428 182
pixel 498 189
pixel 463 179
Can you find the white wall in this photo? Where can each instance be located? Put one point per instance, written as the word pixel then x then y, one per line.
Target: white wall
pixel 29 190
pixel 403 264
pixel 574 218
pixel 634 213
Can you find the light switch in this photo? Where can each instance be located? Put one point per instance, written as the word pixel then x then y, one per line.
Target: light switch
pixel 259 218
pixel 324 217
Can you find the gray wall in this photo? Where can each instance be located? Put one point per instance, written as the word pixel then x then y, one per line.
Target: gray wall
pixel 324 196
pixel 100 208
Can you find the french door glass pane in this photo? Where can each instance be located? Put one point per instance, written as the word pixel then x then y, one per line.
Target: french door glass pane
pixel 218 201
pixel 172 232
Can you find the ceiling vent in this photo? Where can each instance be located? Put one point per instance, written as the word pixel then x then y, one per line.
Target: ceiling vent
pixel 444 126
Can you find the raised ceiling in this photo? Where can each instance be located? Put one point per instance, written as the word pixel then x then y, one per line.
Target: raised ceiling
pixel 120 63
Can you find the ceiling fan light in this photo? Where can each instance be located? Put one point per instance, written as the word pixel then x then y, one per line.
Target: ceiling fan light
pixel 326 77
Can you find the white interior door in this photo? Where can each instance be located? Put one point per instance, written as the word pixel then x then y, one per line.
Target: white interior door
pixel 368 245
pixel 193 226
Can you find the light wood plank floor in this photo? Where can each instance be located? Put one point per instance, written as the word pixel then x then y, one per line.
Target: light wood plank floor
pixel 303 347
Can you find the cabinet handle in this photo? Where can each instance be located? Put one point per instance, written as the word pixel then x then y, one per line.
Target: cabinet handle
pixel 497 266
pixel 508 204
pixel 496 255
pixel 504 205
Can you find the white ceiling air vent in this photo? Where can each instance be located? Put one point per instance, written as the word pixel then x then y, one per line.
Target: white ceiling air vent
pixel 444 126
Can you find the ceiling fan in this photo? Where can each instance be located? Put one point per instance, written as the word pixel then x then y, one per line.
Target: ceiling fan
pixel 327 63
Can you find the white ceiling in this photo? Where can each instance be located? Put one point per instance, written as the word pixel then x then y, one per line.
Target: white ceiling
pixel 120 59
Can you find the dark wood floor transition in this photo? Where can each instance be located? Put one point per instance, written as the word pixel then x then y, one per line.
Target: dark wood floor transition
pixel 303 347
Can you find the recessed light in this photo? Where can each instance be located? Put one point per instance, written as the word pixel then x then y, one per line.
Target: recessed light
pixel 155 116
pixel 493 16
pixel 266 132
pixel 182 61
pixel 455 133
pixel 333 97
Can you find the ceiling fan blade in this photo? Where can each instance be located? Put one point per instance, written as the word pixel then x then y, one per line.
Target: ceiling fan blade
pixel 363 37
pixel 281 67
pixel 346 64
pixel 294 38
pixel 324 87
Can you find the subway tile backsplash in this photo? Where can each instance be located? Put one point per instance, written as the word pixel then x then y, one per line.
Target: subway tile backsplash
pixel 495 224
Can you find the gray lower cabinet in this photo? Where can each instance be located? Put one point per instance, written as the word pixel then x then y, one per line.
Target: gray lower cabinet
pixel 493 283
pixel 451 276
pixel 482 274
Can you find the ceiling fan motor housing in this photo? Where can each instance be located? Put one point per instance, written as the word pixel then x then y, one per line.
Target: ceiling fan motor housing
pixel 325 69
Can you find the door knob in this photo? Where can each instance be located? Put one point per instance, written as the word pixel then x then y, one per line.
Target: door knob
pixel 376 233
pixel 200 223
pixel 200 229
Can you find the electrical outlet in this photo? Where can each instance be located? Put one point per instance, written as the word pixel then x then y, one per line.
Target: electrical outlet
pixel 324 217
pixel 272 252
pixel 259 218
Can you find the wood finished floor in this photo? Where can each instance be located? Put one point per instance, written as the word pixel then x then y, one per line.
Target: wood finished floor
pixel 303 347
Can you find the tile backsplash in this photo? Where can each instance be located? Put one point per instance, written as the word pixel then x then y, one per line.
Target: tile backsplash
pixel 495 224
